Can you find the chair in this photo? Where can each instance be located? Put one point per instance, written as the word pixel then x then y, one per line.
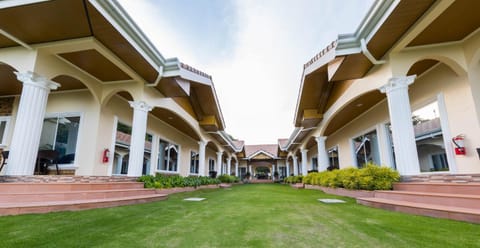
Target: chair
pixel 3 159
pixel 46 158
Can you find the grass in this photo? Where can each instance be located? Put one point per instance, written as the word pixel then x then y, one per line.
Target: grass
pixel 243 216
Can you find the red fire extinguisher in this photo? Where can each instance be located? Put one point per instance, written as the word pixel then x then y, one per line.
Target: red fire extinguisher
pixel 106 155
pixel 458 141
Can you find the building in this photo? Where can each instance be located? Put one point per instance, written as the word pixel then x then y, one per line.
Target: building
pixel 80 78
pixel 394 93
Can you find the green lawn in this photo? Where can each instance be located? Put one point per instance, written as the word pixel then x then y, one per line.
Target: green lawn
pixel 244 216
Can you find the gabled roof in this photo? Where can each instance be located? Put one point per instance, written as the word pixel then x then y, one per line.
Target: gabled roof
pixel 268 149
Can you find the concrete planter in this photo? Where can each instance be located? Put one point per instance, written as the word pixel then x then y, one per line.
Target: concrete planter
pixel 184 189
pixel 342 191
pixel 297 185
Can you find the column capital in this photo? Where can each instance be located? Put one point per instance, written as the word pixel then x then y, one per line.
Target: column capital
pixel 319 139
pixel 31 78
pixel 202 143
pixel 219 153
pixel 303 150
pixel 229 159
pixel 140 105
pixel 396 83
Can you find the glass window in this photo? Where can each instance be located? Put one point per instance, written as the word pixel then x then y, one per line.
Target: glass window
pixel 3 129
pixel 333 158
pixel 60 133
pixel 429 139
pixel 147 154
pixel 315 163
pixel 122 149
pixel 167 156
pixel 366 149
pixel 211 164
pixel 194 162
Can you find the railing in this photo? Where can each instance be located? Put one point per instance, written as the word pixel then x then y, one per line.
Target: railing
pixel 194 70
pixel 320 54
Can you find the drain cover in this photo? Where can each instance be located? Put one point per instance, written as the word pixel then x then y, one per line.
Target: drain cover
pixel 331 201
pixel 194 199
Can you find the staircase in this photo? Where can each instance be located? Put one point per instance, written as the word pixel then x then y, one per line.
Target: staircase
pixel 22 197
pixel 457 201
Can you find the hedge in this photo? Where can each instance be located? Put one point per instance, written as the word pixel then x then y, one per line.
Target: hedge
pixel 160 181
pixel 293 179
pixel 370 177
pixel 228 179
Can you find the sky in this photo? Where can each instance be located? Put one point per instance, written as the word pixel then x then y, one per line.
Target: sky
pixel 254 50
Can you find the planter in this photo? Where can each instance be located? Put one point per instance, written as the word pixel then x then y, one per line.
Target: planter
pixel 343 192
pixel 184 189
pixel 297 185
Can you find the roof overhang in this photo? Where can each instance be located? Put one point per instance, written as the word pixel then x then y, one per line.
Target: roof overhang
pixel 350 57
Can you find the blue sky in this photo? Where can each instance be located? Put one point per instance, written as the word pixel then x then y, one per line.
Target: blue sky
pixel 254 50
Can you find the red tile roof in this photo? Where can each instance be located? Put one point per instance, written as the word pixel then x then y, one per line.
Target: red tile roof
pixel 267 148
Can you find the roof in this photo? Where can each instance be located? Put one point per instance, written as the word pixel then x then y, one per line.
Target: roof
pixel 385 28
pixel 100 38
pixel 269 149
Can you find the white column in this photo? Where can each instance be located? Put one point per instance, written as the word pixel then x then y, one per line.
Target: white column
pixel 406 156
pixel 137 143
pixel 229 165
pixel 29 123
pixel 295 166
pixel 236 168
pixel 201 157
pixel 304 161
pixel 288 167
pixel 250 170
pixel 322 157
pixel 219 163
pixel 273 172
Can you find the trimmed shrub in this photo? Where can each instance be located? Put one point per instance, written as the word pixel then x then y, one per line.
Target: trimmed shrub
pixel 370 177
pixel 228 179
pixel 161 181
pixel 293 179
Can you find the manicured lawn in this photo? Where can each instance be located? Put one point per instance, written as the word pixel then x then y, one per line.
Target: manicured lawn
pixel 244 216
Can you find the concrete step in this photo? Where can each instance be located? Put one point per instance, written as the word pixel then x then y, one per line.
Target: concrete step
pixel 67 195
pixel 432 210
pixel 453 200
pixel 56 187
pixel 447 188
pixel 74 205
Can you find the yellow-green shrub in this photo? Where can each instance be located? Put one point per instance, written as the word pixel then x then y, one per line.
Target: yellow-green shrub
pixel 371 177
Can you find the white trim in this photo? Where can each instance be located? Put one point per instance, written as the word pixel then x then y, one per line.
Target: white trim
pixel 14 3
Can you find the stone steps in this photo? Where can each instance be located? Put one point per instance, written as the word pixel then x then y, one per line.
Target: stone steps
pixel 453 200
pixel 21 198
pixel 448 188
pixel 458 201
pixel 75 205
pixel 432 210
